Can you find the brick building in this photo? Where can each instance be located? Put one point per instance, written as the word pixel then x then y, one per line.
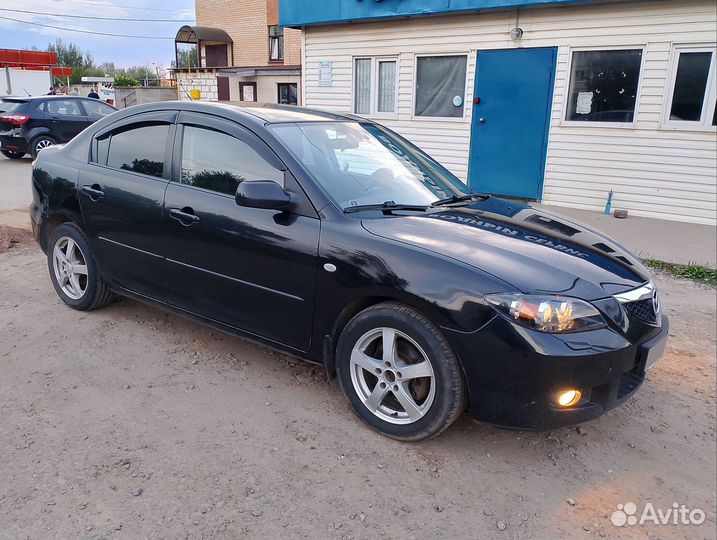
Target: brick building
pixel 238 52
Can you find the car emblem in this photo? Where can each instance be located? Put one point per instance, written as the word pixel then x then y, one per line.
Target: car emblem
pixel 656 302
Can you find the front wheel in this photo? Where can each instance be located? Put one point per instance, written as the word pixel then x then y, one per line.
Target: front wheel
pixel 73 271
pixel 399 373
pixel 11 154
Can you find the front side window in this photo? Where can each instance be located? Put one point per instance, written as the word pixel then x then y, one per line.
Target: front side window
pixel 440 86
pixel 692 97
pixel 603 86
pixel 375 83
pixel 96 108
pixel 362 164
pixel 137 149
pixel 276 43
pixel 218 162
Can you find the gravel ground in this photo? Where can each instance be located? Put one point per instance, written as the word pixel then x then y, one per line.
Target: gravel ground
pixel 128 422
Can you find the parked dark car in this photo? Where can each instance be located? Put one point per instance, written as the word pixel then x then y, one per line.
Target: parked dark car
pixel 27 125
pixel 335 240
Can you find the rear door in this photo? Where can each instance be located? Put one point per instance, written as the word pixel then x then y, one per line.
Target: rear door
pixel 65 118
pixel 121 194
pixel 250 268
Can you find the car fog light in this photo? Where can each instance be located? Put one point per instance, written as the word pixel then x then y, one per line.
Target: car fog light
pixel 568 398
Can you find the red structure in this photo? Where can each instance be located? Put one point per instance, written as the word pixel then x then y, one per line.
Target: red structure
pixel 33 60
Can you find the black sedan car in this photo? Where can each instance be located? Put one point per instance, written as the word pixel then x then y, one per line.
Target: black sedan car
pixel 334 239
pixel 27 125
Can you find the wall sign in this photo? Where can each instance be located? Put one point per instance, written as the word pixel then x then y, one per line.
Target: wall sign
pixel 325 72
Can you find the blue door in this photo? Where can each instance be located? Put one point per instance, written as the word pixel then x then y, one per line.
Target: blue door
pixel 511 117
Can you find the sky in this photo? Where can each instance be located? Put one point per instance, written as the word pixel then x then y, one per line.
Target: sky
pixel 123 51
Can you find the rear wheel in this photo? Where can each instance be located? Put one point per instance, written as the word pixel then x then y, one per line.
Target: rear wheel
pixel 399 373
pixel 12 155
pixel 73 270
pixel 40 143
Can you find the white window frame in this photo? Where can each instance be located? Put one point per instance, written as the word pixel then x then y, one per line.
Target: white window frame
pixel 638 93
pixel 466 98
pixel 373 98
pixel 708 105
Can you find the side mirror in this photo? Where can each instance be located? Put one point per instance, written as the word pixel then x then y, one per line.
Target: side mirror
pixel 263 194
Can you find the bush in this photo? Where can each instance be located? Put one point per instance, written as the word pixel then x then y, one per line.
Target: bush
pixel 125 80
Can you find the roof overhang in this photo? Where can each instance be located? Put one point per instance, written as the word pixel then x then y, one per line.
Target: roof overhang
pixel 300 13
pixel 193 34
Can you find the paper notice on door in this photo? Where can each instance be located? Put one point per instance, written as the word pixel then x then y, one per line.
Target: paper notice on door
pixel 585 103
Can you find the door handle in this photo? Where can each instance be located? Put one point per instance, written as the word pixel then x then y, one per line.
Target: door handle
pixel 186 215
pixel 94 191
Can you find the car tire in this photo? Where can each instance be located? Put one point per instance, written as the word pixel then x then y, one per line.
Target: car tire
pixel 73 270
pixel 12 155
pixel 414 393
pixel 40 142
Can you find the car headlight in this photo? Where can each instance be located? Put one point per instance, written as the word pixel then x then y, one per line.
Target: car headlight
pixel 551 314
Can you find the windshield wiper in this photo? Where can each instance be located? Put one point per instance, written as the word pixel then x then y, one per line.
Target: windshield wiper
pixel 459 198
pixel 388 206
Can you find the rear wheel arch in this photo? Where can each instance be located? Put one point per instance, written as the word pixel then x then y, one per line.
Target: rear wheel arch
pixel 52 223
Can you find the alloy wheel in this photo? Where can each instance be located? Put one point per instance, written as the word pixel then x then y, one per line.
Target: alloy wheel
pixel 392 376
pixel 43 143
pixel 70 267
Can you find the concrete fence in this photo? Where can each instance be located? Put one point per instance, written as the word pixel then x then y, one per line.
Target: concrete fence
pixel 127 96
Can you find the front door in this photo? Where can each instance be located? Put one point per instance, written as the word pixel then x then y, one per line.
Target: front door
pixel 250 268
pixel 510 122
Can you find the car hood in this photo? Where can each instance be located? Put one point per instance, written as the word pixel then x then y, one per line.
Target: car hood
pixel 533 250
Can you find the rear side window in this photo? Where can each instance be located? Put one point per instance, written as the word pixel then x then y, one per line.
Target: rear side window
pixel 217 161
pixel 138 149
pixel 63 107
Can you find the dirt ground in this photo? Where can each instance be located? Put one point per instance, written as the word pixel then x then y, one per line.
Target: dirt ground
pixel 129 423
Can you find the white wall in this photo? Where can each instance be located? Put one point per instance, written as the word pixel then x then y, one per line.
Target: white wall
pixel 654 171
pixel 23 82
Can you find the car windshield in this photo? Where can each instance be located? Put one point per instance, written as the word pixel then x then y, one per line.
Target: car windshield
pixel 364 164
pixel 10 106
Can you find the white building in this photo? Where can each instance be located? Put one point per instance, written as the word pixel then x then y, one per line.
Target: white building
pixel 556 101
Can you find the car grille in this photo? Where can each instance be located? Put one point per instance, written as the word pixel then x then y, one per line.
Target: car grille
pixel 643 310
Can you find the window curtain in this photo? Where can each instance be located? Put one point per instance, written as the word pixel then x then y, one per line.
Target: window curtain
pixel 386 87
pixel 362 86
pixel 439 80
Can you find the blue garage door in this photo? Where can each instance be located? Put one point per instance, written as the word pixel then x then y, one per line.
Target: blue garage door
pixel 510 122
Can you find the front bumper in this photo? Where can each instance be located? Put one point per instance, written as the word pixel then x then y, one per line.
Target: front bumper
pixel 514 377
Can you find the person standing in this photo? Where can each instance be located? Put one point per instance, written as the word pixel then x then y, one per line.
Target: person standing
pixel 75 91
pixel 93 93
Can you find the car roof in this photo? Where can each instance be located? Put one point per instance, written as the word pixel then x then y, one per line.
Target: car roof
pixel 35 98
pixel 261 114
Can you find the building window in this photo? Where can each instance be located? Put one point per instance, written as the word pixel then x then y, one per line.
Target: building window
pixel 276 44
pixel 692 95
pixel 603 86
pixel 287 93
pixel 247 91
pixel 440 86
pixel 375 86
